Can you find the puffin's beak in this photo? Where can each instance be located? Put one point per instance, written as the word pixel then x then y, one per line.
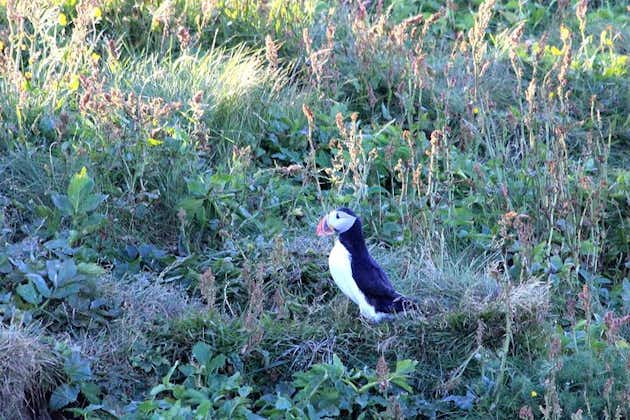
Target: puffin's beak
pixel 323 229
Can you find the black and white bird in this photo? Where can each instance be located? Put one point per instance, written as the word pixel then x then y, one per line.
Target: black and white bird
pixel 354 270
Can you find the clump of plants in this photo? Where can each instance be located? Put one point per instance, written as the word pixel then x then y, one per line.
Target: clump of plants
pixel 163 165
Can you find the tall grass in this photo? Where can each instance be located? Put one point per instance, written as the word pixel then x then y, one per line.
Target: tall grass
pixel 484 150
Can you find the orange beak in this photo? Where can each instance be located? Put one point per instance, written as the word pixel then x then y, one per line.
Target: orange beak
pixel 323 229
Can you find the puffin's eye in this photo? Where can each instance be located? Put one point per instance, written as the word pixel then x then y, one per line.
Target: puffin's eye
pixel 337 214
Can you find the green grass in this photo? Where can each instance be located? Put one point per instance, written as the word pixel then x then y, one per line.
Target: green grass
pixel 164 165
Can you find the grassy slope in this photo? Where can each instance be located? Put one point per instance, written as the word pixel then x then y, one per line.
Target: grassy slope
pixel 489 165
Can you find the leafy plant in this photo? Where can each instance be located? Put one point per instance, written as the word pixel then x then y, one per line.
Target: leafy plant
pixel 79 204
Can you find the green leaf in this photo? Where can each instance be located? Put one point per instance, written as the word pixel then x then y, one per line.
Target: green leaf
pixel 92 202
pixel 67 271
pixel 216 363
pixel 62 203
pixel 402 382
pixel 198 187
pixel 194 209
pixel 91 269
pixel 76 368
pixel 556 263
pixel 29 294
pixel 40 284
pixel 91 392
pixel 283 404
pixel 93 222
pixel 62 396
pixel 79 189
pixel 66 290
pixel 202 352
pixel 404 367
pixel 157 389
pixel 52 269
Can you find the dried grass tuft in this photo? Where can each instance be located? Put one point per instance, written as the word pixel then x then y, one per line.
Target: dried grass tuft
pixel 29 369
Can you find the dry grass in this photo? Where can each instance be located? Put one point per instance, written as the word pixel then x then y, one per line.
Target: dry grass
pixel 29 369
pixel 146 305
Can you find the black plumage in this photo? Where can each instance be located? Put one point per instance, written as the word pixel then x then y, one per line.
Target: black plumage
pixel 367 273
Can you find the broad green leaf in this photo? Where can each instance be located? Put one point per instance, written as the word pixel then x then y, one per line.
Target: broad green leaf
pixel 79 189
pixel 194 208
pixel 198 187
pixel 90 269
pixel 93 222
pixel 216 363
pixel 67 271
pixel 194 395
pixel 556 263
pixel 91 391
pixel 29 294
pixel 202 352
pixel 283 404
pixel 402 382
pixel 157 389
pixel 62 203
pixel 52 268
pixel 66 290
pixel 62 396
pixel 92 202
pixel 40 284
pixel 203 411
pixel 406 366
pixel 76 368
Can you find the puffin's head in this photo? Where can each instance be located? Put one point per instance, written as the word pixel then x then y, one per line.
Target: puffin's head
pixel 337 221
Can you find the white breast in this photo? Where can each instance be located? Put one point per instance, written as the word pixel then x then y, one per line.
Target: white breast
pixel 341 271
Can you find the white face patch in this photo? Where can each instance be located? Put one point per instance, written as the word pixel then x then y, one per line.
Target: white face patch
pixel 340 220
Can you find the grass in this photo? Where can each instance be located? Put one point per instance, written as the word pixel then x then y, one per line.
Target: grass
pixel 164 165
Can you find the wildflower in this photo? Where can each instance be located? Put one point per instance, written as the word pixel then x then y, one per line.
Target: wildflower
pixel 382 371
pixel 475 110
pixel 565 33
pixel 62 19
pixel 271 52
pixel 1 45
pixel 28 75
pixel 154 142
pixel 183 35
pixel 74 83
pixel 95 57
pixel 534 394
pixel 555 51
pixel 207 287
pixel 97 13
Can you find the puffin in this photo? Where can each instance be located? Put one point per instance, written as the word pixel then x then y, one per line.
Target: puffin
pixel 354 270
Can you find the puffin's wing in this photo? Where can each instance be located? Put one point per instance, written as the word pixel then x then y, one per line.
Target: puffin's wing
pixel 371 278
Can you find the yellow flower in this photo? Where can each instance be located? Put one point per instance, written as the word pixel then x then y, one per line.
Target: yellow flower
pixel 475 110
pixel 28 75
pixel 97 13
pixel 63 19
pixel 74 83
pixel 555 51
pixel 1 45
pixel 154 142
pixel 565 33
pixel 95 57
pixel 534 394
